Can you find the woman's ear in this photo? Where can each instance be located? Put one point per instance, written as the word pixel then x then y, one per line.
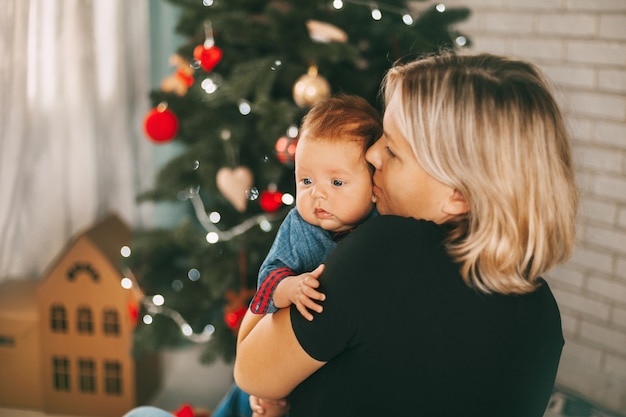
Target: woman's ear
pixel 456 204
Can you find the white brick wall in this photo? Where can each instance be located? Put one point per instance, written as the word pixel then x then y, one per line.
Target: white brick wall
pixel 581 46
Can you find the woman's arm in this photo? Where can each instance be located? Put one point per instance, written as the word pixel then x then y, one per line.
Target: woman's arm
pixel 270 362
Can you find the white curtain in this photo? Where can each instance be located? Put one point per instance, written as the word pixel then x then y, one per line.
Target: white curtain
pixel 73 92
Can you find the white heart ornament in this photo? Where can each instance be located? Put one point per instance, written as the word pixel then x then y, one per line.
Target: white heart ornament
pixel 233 184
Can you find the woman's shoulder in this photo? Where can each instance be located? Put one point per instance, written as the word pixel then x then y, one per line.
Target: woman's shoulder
pixel 393 224
pixel 390 233
pixel 390 219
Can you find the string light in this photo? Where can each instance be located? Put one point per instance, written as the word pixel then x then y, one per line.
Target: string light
pixel 209 85
pixel 292 131
pixel 214 234
pixel 125 251
pixel 212 237
pixel 185 328
pixel 378 8
pixel 244 107
pixel 215 217
pixel 287 199
pixel 193 274
pixel 155 304
pixel 376 13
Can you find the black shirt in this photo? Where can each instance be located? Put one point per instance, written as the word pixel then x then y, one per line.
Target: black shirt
pixel 405 336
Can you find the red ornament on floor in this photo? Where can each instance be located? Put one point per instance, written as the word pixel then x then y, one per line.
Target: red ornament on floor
pixel 160 124
pixel 184 411
pixel 187 410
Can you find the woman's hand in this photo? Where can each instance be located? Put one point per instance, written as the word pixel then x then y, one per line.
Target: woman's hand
pixel 301 290
pixel 268 408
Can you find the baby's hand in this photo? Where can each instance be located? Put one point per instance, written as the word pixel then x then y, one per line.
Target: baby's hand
pixel 268 408
pixel 301 290
pixel 306 293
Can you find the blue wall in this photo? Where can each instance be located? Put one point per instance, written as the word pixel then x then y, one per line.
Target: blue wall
pixel 164 42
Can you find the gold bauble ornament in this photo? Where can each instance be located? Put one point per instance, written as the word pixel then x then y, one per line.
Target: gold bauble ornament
pixel 310 89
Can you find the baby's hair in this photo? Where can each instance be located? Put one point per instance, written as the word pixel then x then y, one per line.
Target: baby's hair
pixel 343 117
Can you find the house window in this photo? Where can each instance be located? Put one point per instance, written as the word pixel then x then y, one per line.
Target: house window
pixel 87 375
pixel 82 268
pixel 61 373
pixel 7 341
pixel 58 319
pixel 85 321
pixel 111 322
pixel 113 377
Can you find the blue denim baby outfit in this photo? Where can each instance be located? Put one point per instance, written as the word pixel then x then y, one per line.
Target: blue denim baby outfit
pixel 298 247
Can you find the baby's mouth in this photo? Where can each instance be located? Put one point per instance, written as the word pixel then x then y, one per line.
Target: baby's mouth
pixel 321 213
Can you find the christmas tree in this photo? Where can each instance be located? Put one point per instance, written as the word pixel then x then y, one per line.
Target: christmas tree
pixel 246 75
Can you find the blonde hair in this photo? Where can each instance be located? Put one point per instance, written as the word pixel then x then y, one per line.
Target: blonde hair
pixel 343 118
pixel 489 127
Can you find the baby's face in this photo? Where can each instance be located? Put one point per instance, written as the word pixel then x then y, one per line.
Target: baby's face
pixel 333 184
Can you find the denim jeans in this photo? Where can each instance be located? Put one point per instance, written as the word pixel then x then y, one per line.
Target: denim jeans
pixel 235 403
pixel 147 411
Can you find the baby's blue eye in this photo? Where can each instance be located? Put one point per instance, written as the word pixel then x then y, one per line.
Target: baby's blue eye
pixel 337 183
pixel 306 181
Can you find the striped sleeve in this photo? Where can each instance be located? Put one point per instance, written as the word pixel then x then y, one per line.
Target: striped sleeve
pixel 261 301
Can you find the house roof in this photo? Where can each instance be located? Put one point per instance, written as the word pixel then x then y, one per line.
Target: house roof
pixel 109 235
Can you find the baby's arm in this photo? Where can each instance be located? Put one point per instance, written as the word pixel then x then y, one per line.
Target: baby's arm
pixel 282 288
pixel 298 246
pixel 263 301
pixel 300 290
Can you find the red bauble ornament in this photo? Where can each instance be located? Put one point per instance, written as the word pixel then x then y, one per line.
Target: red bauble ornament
pixel 133 312
pixel 237 307
pixel 233 318
pixel 160 124
pixel 207 57
pixel 271 201
pixel 286 150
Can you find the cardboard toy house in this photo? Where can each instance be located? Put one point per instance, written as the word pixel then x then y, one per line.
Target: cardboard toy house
pixel 66 339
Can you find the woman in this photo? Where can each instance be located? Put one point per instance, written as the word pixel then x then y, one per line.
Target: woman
pixel 437 307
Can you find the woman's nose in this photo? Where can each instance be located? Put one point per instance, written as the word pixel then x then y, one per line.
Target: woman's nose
pixel 373 155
